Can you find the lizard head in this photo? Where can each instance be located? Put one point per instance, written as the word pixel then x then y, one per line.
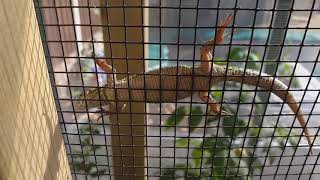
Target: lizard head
pixel 90 99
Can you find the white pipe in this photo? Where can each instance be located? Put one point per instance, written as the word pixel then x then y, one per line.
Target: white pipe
pixel 77 20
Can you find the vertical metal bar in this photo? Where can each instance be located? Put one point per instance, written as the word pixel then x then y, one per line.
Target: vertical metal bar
pixel 129 140
pixel 145 38
pixel 277 37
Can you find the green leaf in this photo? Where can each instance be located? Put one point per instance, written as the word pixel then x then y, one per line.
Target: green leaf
pixel 253 56
pixel 181 166
pixel 242 54
pixel 176 117
pixel 284 134
pixel 95 131
pixel 191 174
pixel 252 63
pixel 280 131
pixel 183 142
pixel 219 162
pixel 212 119
pixel 237 166
pixel 295 82
pixel 259 107
pixel 233 126
pixel 256 166
pixel 102 171
pixel 195 117
pixel 198 156
pixel 168 174
pixel 217 175
pixel 271 156
pixel 294 141
pixel 244 96
pixel 254 163
pixel 95 147
pixel 86 140
pixel 216 93
pixel 287 69
pixel 281 135
pixel 253 133
pixel 209 142
pixel 215 145
pixel 238 54
pixel 220 61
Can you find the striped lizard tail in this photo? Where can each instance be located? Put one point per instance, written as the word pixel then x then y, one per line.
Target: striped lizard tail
pixel 266 82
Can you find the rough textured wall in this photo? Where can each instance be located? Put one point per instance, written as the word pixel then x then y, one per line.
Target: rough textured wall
pixel 31 143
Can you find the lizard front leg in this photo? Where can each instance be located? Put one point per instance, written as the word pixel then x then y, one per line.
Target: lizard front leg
pixel 111 80
pixel 109 70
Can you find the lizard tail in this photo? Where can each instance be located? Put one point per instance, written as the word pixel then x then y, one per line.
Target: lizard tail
pixel 266 82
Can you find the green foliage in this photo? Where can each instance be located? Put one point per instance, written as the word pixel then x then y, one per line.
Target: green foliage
pixel 227 155
pixel 195 117
pixel 239 54
pixel 177 117
pixel 286 69
pixel 82 160
pixel 223 154
pixel 233 126
pixel 252 60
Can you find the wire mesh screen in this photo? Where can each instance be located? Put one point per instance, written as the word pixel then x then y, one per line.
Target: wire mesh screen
pixel 172 113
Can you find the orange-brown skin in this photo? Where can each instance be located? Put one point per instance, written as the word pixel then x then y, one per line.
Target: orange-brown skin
pixel 170 84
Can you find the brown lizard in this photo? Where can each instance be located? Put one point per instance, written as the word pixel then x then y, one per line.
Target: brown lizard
pixel 170 84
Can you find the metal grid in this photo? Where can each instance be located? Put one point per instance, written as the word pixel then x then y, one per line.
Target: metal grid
pixel 241 147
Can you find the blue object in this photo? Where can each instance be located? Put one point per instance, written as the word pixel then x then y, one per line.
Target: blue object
pixel 292 36
pixel 154 55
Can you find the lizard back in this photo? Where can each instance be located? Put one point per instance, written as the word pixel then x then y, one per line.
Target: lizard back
pixel 169 84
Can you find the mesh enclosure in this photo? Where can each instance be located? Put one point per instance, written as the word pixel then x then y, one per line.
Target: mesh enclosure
pixel 262 139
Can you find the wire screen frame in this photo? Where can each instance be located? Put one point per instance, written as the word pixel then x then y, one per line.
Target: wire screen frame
pixel 195 44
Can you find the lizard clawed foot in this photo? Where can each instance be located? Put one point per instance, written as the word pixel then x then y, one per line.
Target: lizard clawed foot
pixel 103 112
pixel 226 113
pixel 214 107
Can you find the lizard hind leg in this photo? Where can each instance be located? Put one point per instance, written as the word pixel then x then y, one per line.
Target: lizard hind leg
pixel 205 50
pixel 214 107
